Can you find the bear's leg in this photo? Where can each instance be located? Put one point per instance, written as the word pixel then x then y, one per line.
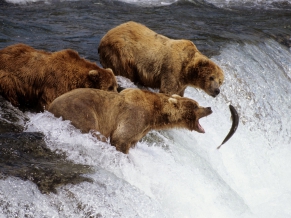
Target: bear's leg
pixel 170 85
pixel 129 131
pixel 47 97
pixel 181 93
pixel 125 141
pixel 120 146
pixel 9 87
pixel 121 140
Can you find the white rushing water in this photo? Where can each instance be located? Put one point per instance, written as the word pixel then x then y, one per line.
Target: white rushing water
pixel 178 173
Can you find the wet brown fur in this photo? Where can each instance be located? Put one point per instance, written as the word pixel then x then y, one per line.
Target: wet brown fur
pixel 31 78
pixel 134 51
pixel 127 116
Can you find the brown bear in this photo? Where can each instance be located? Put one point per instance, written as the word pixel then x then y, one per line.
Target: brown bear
pixel 134 51
pixel 127 116
pixel 32 79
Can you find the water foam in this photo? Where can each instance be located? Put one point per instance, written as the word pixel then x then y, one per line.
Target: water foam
pixel 177 173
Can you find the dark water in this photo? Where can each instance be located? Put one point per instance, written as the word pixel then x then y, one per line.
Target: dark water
pixel 79 25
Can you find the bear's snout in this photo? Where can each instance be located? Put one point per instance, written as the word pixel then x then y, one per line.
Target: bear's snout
pixel 216 91
pixel 208 110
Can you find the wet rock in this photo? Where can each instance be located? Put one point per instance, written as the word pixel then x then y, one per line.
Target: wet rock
pixel 11 119
pixel 284 39
pixel 26 156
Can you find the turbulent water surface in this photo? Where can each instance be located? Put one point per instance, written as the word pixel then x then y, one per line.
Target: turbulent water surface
pixel 49 169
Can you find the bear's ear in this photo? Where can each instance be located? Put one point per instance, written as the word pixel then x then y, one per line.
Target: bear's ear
pixel 94 74
pixel 202 62
pixel 109 69
pixel 172 101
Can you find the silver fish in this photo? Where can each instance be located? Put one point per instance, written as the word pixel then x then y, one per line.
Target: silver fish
pixel 235 121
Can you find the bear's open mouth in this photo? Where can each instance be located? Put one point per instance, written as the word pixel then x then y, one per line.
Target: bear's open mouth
pixel 205 113
pixel 199 127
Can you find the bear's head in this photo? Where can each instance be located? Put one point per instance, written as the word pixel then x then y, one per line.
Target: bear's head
pixel 206 75
pixel 103 79
pixel 190 112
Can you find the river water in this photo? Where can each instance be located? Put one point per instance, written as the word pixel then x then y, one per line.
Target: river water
pixel 49 169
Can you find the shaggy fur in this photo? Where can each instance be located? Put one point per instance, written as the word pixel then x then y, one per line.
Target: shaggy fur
pixel 32 78
pixel 134 51
pixel 127 116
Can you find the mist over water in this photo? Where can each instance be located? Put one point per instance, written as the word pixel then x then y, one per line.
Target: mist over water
pixel 173 173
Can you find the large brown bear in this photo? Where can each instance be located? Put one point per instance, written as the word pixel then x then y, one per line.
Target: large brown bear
pixel 134 51
pixel 32 78
pixel 127 116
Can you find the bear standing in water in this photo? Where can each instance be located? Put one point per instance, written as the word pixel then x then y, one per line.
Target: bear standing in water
pixel 134 51
pixel 32 79
pixel 127 116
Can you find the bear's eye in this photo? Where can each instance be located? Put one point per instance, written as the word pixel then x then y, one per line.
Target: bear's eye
pixel 211 78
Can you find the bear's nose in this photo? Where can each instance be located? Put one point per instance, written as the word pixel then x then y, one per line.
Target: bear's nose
pixel 216 91
pixel 209 110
